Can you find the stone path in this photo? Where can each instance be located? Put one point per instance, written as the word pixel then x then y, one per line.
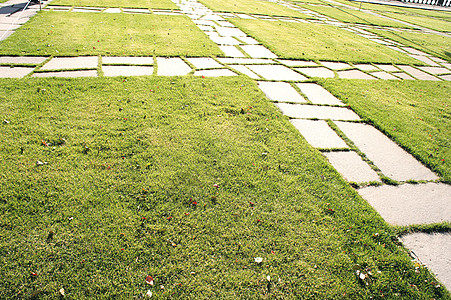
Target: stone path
pixel 322 119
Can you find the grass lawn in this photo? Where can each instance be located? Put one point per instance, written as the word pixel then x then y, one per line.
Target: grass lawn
pixel 318 42
pixel 434 44
pixel 73 34
pixel 251 7
pixel 416 114
pixel 191 181
pixel 163 4
pixel 425 21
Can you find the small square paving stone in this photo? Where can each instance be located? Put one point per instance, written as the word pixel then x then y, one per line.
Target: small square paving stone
pixel 318 134
pixel 297 63
pixel 335 65
pixel 317 94
pixel 388 68
pixel 409 204
pixel 81 62
pixel 258 51
pixel 15 72
pixel 354 74
pixel 425 59
pixel 435 70
pixel 317 72
pixel 110 71
pixel 384 75
pixel 417 73
pixel 302 111
pixel 366 67
pixel 276 72
pixel 351 166
pixel 130 60
pixel 432 249
pixel 22 60
pixel 391 159
pixel 172 67
pixel 231 51
pixel 248 61
pixel 68 74
pixel 280 91
pixel 214 73
pixel 245 71
pixel 204 62
pixel 404 76
pixel 227 31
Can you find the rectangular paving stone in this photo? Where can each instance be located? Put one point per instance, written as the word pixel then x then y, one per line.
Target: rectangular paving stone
pixel 354 74
pixel 425 59
pixel 404 76
pixel 417 73
pixel 366 67
pixel 231 51
pixel 68 74
pixel 110 71
pixel 391 159
pixel 276 72
pixel 409 204
pixel 351 166
pixel 335 65
pixel 136 10
pixel 245 71
pixel 318 95
pixel 248 40
pixel 318 134
pixel 435 70
pixel 15 72
pixel 204 62
pixel 445 77
pixel 302 111
pixel 214 73
pixel 204 22
pixel 22 60
pixel 258 51
pixel 248 61
pixel 112 10
pixel 414 51
pixel 224 40
pixel 5 34
pixel 388 68
pixel 109 60
pixel 62 63
pixel 172 67
pixel 384 75
pixel 228 31
pixel 5 27
pixel 280 91
pixel 244 16
pixel 297 63
pixel 317 72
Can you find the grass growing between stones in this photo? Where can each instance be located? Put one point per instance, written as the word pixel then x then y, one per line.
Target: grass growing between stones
pixel 162 4
pixel 318 42
pixel 416 114
pixel 74 34
pixel 251 7
pixel 191 181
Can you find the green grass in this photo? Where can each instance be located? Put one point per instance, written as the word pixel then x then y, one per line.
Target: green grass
pixel 425 21
pixel 251 7
pixel 162 4
pixel 129 191
pixel 416 114
pixel 74 34
pixel 318 42
pixel 437 45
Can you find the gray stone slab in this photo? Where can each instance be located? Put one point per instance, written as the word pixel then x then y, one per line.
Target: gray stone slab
pixel 354 74
pixel 22 60
pixel 276 72
pixel 435 70
pixel 110 71
pixel 318 95
pixel 16 72
pixel 417 73
pixel 136 10
pixel 231 51
pixel 204 63
pixel 248 40
pixel 147 60
pixel 280 91
pixel 172 67
pixel 351 166
pixel 214 73
pixel 225 24
pixel 258 51
pixel 425 59
pixel 245 71
pixel 335 65
pixel 366 67
pixel 445 77
pixel 433 250
pixel 62 63
pixel 297 63
pixel 391 159
pixel 414 51
pixel 404 76
pixel 384 75
pixel 228 31
pixel 244 16
pixel 409 204
pixel 247 61
pixel 318 134
pixel 317 112
pixel 317 72
pixel 436 59
pixel 68 74
pixel 112 10
pixel 388 68
pixel 224 40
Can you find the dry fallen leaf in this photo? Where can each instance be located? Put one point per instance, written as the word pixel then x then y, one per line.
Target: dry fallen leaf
pixel 149 279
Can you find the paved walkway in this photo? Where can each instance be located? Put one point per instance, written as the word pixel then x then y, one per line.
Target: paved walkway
pixel 313 111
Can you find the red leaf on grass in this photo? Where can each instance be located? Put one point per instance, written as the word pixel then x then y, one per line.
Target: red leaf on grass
pixel 149 279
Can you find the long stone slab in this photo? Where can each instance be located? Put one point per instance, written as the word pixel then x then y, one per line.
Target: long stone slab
pixel 258 51
pixel 409 204
pixel 317 94
pixel 280 91
pixel 276 72
pixel 172 67
pixel 247 61
pixel 225 40
pixel 318 134
pixel 433 250
pixel 391 159
pixel 335 65
pixel 127 70
pixel 317 112
pixel 245 71
pixel 16 72
pixel 68 74
pixel 231 51
pixel 204 63
pixel 354 74
pixel 214 73
pixel 417 73
pixel 351 166
pixel 22 60
pixel 228 31
pixel 127 60
pixel 384 75
pixel 63 63
pixel 317 72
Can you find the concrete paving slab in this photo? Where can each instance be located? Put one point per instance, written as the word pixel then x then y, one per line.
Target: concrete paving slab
pixel 435 70
pixel 225 24
pixel 351 166
pixel 388 68
pixel 384 75
pixel 317 72
pixel 276 72
pixel 354 74
pixel 432 249
pixel 297 63
pixel 5 34
pixel 205 28
pixel 109 60
pixel 425 59
pixel 247 61
pixel 318 134
pixel 436 59
pixel 445 77
pixel 231 51
pixel 414 51
pixel 244 16
pixel 62 63
pixel 391 159
pixel 318 95
pixel 258 51
pixel 409 204
pixel 5 27
pixel 404 76
pixel 228 31
pixel 366 67
pixel 172 67
pixel 68 74
pixel 84 10
pixel 112 10
pixel 212 17
pixel 204 22
pixel 245 71
pixel 22 60
pixel 417 73
pixel 224 40
pixel 335 65
pixel 136 10
pixel 214 73
pixel 110 71
pixel 15 72
pixel 248 40
pixel 204 63
pixel 280 91
pixel 301 111
pixel 447 65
